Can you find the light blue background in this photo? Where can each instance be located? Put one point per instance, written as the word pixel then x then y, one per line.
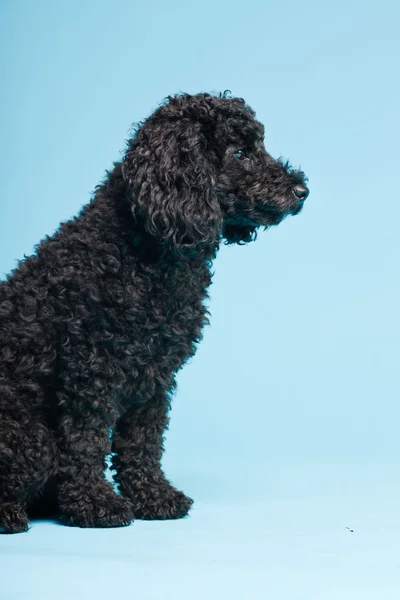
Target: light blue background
pixel 285 424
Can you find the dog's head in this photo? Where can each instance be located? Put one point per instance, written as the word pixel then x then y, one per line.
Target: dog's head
pixel 198 172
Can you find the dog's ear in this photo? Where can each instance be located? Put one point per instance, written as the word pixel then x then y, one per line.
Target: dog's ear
pixel 170 170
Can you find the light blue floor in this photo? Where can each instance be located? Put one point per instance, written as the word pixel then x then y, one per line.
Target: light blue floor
pixel 282 532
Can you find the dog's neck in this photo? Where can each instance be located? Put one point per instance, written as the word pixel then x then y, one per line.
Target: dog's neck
pixel 168 254
pixel 110 214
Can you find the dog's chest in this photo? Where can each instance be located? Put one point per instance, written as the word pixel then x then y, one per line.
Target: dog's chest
pixel 162 321
pixel 174 312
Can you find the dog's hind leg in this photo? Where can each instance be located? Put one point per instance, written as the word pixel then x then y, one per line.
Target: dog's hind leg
pixel 27 460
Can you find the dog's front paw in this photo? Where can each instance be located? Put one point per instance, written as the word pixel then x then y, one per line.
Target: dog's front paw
pixel 13 518
pixel 159 503
pixel 95 506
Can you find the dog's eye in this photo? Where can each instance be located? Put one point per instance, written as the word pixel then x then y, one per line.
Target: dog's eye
pixel 240 154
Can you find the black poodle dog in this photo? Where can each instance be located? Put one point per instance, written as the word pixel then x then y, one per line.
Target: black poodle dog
pixel 96 323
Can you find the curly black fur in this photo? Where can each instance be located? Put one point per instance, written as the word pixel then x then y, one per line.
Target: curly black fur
pixel 95 325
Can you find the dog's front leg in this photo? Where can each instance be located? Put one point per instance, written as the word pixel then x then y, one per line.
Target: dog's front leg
pixel 85 498
pixel 138 446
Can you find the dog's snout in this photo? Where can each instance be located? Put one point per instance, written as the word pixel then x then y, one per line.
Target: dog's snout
pixel 301 192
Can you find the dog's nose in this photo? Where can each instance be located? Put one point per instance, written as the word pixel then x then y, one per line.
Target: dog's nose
pixel 301 191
